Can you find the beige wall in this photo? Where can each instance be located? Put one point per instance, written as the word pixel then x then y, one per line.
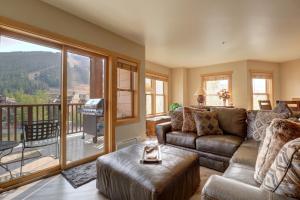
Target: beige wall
pixel 239 81
pixel 186 81
pixel 179 86
pixel 290 80
pixel 44 16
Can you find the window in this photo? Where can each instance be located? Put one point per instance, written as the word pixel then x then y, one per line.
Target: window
pixel 214 83
pixel 156 87
pixel 126 89
pixel 261 88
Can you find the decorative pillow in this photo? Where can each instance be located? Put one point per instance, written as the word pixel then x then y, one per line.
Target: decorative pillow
pixel 296 114
pixel 283 108
pixel 189 124
pixel 176 120
pixel 232 120
pixel 251 115
pixel 262 121
pixel 283 176
pixel 278 134
pixel 207 123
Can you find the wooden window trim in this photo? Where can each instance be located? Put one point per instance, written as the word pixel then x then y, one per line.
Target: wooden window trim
pixel 205 77
pixel 153 76
pixel 269 85
pixel 135 89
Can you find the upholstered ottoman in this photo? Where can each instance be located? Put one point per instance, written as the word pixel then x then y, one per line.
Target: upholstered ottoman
pixel 120 175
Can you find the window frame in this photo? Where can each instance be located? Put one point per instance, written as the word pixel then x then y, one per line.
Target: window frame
pixel 268 76
pixel 135 90
pixel 154 76
pixel 217 76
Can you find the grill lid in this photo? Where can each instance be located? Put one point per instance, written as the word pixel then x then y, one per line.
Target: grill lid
pixel 94 104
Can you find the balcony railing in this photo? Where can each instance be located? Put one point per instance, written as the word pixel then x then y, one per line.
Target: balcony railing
pixel 14 115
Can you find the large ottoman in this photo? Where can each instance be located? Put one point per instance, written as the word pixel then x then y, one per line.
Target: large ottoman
pixel 120 175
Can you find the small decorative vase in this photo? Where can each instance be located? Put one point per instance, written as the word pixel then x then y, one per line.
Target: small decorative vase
pixel 224 102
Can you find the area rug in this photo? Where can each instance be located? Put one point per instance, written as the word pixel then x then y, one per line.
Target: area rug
pixel 80 175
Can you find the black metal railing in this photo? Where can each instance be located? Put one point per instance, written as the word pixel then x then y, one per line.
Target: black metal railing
pixel 14 115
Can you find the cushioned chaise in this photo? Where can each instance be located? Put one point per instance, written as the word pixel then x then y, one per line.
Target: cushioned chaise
pixel 120 175
pixel 246 154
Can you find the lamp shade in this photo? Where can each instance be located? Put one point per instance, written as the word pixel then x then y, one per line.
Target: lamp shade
pixel 200 91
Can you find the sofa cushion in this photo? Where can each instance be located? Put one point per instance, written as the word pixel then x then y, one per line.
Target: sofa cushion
pixel 176 120
pixel 242 173
pixel 246 154
pixel 182 139
pixel 278 134
pixel 232 120
pixel 262 121
pixel 283 176
pixel 224 145
pixel 207 123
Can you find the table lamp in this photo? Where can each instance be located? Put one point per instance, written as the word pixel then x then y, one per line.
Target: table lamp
pixel 200 97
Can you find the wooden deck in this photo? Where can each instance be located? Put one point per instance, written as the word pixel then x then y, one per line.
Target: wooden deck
pixel 44 157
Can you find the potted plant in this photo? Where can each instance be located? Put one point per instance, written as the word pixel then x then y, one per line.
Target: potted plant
pixel 174 106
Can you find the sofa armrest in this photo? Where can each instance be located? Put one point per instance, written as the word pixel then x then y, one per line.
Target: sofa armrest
pixel 161 131
pixel 221 188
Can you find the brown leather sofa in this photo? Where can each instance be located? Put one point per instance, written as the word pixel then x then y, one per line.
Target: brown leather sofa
pixel 237 181
pixel 215 151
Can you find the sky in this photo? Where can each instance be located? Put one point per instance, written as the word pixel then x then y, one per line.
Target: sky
pixel 11 45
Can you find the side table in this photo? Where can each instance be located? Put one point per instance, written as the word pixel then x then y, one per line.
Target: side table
pixel 151 124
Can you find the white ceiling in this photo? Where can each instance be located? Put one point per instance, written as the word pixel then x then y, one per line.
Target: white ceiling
pixel 188 33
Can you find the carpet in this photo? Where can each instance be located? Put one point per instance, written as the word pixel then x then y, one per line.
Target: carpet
pixel 80 175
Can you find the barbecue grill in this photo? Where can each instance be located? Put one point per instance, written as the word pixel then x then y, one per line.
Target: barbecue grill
pixel 93 118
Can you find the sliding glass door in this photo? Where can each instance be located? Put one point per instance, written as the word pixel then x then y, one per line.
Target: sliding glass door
pixel 30 72
pixel 85 104
pixel 52 106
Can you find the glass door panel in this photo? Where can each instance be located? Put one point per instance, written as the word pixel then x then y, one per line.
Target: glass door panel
pixel 85 123
pixel 29 106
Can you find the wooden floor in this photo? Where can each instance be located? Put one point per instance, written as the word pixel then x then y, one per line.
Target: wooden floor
pixel 57 188
pixel 44 157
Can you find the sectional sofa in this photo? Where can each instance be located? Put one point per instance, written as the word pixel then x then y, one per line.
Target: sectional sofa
pixel 234 153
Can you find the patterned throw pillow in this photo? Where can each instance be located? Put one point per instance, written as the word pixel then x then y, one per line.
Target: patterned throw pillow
pixel 283 176
pixel 251 115
pixel 278 134
pixel 262 121
pixel 283 108
pixel 189 124
pixel 176 120
pixel 207 123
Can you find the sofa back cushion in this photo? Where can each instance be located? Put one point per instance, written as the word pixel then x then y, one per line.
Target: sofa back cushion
pixel 283 176
pixel 283 108
pixel 263 119
pixel 207 123
pixel 278 134
pixel 176 120
pixel 251 115
pixel 189 124
pixel 232 120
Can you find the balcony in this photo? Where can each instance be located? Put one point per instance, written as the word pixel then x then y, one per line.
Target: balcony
pixel 15 115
